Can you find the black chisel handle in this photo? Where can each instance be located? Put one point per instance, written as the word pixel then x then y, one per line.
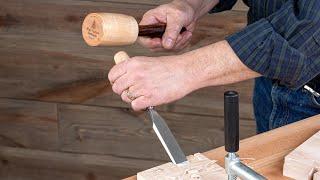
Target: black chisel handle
pixel 231 121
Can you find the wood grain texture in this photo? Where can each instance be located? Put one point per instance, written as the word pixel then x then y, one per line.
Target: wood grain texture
pixel 197 167
pixel 114 167
pixel 316 176
pixel 266 152
pixel 58 77
pixel 28 124
pixel 109 29
pixel 18 172
pixel 59 67
pixel 101 130
pixel 304 161
pixel 47 71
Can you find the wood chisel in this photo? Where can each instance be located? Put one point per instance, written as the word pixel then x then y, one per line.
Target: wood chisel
pixel 160 126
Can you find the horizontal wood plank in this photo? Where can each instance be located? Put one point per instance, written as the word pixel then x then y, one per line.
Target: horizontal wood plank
pixel 265 152
pixel 28 124
pixel 11 171
pixel 121 132
pixel 44 57
pixel 104 130
pixel 112 166
pixel 58 77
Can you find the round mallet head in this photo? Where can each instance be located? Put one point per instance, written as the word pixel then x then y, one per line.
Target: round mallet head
pixel 109 29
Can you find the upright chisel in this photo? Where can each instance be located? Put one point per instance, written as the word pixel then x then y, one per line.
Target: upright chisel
pixel 160 126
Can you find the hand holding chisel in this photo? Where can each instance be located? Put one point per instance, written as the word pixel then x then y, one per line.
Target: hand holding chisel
pixel 159 126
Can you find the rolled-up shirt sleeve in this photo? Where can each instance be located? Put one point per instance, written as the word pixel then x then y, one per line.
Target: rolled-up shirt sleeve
pixel 285 45
pixel 223 5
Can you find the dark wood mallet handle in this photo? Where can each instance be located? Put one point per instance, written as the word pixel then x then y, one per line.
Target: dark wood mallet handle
pixel 154 30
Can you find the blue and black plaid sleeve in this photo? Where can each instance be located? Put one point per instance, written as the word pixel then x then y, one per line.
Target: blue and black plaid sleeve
pixel 285 45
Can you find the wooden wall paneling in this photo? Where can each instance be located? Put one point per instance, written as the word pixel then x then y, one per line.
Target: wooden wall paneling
pixel 28 124
pixel 44 62
pixel 120 132
pixel 18 172
pixel 39 75
pixel 37 162
pixel 57 66
pixel 68 14
pixel 239 6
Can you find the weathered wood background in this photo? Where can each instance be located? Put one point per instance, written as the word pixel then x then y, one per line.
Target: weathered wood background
pixel 58 116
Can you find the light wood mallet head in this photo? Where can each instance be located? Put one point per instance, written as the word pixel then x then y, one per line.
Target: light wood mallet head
pixel 111 29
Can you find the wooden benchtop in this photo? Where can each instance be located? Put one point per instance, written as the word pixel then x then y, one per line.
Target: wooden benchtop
pixel 266 151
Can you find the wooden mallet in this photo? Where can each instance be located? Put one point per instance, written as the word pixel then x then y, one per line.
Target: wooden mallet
pixel 111 29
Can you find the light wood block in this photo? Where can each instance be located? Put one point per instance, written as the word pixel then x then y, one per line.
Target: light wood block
pixel 316 176
pixel 198 167
pixel 268 150
pixel 304 161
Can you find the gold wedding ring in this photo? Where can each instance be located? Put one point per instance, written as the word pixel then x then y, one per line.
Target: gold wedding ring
pixel 130 95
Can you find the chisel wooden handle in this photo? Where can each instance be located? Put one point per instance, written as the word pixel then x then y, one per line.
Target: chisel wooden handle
pixel 120 56
pixel 110 29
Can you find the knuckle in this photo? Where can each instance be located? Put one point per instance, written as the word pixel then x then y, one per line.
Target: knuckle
pixel 110 76
pixel 124 97
pixel 115 88
pixel 136 77
pixel 135 106
pixel 133 63
pixel 140 75
pixel 147 93
pixel 179 12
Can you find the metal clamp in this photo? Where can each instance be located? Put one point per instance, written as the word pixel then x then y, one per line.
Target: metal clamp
pixel 234 168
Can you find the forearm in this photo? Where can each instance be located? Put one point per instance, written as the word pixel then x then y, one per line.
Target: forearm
pixel 216 64
pixel 200 7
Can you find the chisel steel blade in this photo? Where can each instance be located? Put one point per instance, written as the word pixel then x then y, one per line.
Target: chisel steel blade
pixel 166 137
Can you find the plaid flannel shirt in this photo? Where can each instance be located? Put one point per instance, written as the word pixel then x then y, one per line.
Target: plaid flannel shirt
pixel 282 40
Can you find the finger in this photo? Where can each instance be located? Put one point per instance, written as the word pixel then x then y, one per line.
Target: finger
pixel 117 71
pixel 150 43
pixel 186 37
pixel 161 49
pixel 122 83
pixel 125 98
pixel 140 103
pixel 149 18
pixel 171 33
pixel 179 38
pixel 191 27
pixel 185 45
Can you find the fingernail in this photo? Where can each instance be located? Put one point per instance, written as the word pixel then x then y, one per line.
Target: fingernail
pixel 169 43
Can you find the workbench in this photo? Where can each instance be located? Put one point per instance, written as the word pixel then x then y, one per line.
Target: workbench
pixel 265 152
